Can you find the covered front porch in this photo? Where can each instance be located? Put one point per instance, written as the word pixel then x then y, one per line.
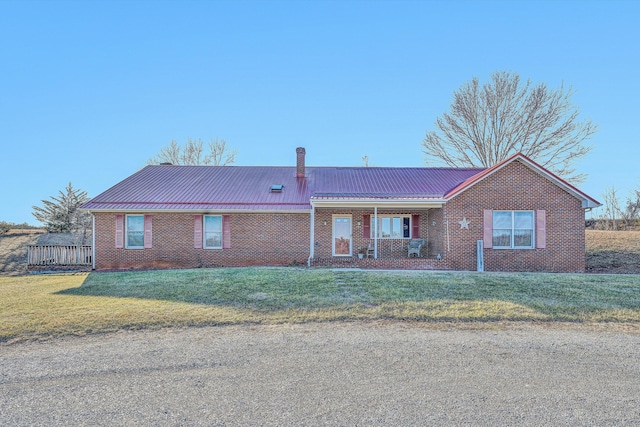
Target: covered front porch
pixel 377 233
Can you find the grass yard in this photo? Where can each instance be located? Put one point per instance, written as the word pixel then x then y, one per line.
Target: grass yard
pixel 37 306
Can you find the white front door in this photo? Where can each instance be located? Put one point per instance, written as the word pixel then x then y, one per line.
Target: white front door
pixel 342 235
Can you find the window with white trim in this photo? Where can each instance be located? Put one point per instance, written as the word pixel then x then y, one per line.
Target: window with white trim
pixel 392 227
pixel 212 231
pixel 513 230
pixel 135 231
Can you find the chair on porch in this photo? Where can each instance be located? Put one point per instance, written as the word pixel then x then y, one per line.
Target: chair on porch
pixel 370 251
pixel 414 247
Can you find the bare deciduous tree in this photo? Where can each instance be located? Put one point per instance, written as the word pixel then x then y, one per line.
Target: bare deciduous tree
pixel 611 210
pixel 489 123
pixel 194 153
pixel 219 154
pixel 613 216
pixel 631 213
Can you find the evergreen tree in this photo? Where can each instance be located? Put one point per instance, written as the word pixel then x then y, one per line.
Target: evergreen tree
pixel 61 214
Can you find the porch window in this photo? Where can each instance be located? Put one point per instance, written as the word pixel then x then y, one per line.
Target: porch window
pixel 513 230
pixel 213 232
pixel 393 227
pixel 135 231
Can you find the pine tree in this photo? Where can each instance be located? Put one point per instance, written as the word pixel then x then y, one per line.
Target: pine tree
pixel 61 214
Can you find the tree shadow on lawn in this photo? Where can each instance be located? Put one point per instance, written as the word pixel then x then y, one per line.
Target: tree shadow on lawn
pixel 443 296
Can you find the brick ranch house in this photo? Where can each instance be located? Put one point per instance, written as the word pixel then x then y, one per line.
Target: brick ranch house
pixel 166 216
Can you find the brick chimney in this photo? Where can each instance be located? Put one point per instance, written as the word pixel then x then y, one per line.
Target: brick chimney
pixel 300 152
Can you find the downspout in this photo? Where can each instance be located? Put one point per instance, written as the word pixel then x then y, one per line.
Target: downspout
pixel 93 241
pixel 375 232
pixel 311 234
pixel 448 240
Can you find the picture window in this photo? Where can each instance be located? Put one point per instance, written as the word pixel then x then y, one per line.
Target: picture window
pixel 513 230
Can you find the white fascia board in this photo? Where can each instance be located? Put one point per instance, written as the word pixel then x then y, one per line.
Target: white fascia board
pixel 588 204
pixel 381 203
pixel 202 211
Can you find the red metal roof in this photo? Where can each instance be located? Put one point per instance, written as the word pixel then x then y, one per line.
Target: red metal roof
pixel 248 187
pixel 206 188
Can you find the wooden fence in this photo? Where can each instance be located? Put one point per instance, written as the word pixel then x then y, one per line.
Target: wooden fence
pixel 58 255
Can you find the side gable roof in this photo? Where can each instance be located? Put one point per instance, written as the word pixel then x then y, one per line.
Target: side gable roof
pixel 247 188
pixel 207 188
pixel 587 201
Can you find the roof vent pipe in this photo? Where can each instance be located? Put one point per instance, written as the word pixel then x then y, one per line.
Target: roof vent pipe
pixel 300 152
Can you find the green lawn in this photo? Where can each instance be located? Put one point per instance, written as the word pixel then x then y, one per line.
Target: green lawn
pixel 48 305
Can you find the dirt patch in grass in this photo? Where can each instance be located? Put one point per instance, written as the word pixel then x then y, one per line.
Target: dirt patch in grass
pixel 616 252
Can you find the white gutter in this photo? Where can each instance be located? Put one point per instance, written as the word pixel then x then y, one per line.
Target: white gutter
pixel 448 240
pixel 383 203
pixel 203 211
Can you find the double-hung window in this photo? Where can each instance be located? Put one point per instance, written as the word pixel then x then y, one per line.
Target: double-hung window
pixel 135 231
pixel 213 231
pixel 513 230
pixel 393 227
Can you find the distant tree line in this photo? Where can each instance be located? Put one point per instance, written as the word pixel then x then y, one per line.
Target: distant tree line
pixel 617 215
pixel 5 226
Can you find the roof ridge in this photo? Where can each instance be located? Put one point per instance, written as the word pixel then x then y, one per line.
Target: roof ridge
pixel 327 167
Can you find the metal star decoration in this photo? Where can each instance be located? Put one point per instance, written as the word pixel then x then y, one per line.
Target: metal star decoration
pixel 464 223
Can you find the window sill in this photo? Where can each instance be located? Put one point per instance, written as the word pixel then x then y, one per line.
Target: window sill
pixel 391 238
pixel 500 248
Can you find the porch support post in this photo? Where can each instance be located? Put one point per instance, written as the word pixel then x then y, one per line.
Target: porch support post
pixel 375 232
pixel 93 241
pixel 312 234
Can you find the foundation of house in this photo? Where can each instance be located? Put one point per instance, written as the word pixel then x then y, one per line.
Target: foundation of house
pixel 382 263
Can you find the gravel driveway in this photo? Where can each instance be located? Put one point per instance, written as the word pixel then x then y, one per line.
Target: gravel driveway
pixel 326 374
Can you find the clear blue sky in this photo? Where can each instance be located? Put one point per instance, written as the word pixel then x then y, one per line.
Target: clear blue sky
pixel 90 90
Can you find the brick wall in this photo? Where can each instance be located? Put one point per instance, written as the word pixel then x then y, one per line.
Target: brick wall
pixel 436 242
pixel 516 187
pixel 281 239
pixel 256 239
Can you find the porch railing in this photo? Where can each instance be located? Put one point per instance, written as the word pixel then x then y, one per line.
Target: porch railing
pixel 58 255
